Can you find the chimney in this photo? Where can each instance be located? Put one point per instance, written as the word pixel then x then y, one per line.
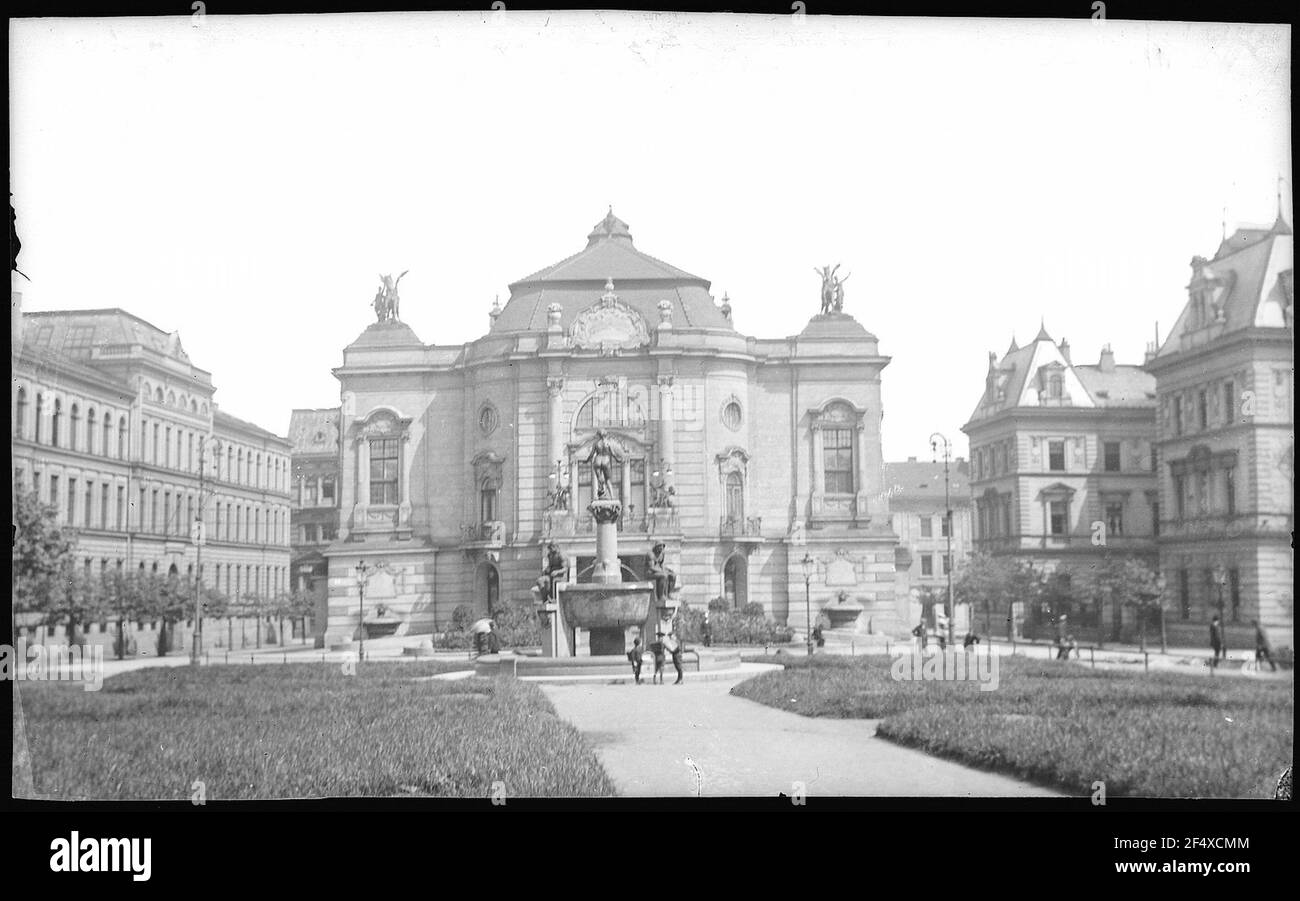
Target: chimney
pixel 911 459
pixel 1107 362
pixel 1150 354
pixel 1065 352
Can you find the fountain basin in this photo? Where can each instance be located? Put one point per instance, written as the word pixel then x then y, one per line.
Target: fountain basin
pixel 843 614
pixel 618 605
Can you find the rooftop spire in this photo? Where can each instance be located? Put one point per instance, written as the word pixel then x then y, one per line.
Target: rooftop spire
pixel 1014 346
pixel 1279 225
pixel 611 228
pixel 1042 331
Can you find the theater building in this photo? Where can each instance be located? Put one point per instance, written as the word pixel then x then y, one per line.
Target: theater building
pixel 1225 381
pixel 742 454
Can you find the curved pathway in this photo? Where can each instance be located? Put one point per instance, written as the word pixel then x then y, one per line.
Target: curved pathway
pixel 696 738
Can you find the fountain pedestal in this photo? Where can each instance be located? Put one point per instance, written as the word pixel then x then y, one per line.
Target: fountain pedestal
pixel 606 607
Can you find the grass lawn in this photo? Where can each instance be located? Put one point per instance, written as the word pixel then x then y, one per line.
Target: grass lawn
pixel 1064 724
pixel 302 731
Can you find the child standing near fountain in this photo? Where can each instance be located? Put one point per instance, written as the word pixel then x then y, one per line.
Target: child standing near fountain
pixel 634 658
pixel 657 648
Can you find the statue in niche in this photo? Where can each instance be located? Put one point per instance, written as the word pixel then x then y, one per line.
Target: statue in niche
pixel 604 454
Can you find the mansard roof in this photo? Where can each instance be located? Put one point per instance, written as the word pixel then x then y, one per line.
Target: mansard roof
pixel 53 329
pixel 1248 284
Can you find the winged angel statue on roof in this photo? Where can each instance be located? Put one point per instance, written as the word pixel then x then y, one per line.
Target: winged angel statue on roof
pixel 386 302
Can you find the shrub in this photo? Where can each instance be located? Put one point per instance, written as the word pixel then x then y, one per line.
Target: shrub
pixel 518 626
pixel 719 605
pixel 462 617
pixel 749 625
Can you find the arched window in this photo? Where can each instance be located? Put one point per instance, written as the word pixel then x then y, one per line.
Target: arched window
pixel 487 500
pixel 194 406
pixel 54 422
pixel 239 465
pixel 74 431
pixel 20 413
pixel 258 481
pixel 106 445
pixel 121 438
pixel 158 396
pixel 171 398
pixel 735 498
pixel 40 411
pixel 92 426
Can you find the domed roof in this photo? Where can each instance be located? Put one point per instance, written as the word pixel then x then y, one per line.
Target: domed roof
pixel 577 282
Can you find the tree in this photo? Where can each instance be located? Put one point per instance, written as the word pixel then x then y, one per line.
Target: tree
pixel 1125 582
pixel 989 582
pixel 42 553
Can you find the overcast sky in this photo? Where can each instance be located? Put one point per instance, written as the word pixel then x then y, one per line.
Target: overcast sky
pixel 246 181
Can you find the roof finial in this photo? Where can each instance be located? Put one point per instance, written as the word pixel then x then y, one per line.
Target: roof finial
pixel 1223 225
pixel 1042 330
pixel 1279 225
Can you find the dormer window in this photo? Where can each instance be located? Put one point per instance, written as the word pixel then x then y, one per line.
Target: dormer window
pixel 1055 387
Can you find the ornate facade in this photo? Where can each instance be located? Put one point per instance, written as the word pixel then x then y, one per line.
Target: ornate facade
pixel 459 462
pixel 111 424
pixel 1225 385
pixel 314 500
pixel 1063 458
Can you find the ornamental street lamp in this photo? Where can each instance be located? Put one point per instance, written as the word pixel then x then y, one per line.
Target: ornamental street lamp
pixel 363 576
pixel 808 564
pixel 198 537
pixel 935 441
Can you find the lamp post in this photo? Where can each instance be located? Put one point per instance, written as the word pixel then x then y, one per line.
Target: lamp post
pixel 808 564
pixel 363 575
pixel 198 537
pixel 935 440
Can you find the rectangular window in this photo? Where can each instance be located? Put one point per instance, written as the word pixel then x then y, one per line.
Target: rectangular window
pixel 1178 415
pixel 1155 519
pixel 167 512
pixel 1230 490
pixel 383 470
pixel 90 504
pixel 927 565
pixel 1155 461
pixel 327 491
pixel 153 512
pixel 1203 410
pixel 1115 517
pixel 1234 592
pixel 1111 452
pixel 1185 594
pixel 1203 492
pixel 54 491
pixel 947 564
pixel 1056 456
pixel 79 337
pixel 1213 593
pixel 72 502
pixel 121 508
pixel 103 506
pixel 837 460
pixel 927 527
pixel 1058 516
pixel 1229 403
pixel 943 526
pixel 309 487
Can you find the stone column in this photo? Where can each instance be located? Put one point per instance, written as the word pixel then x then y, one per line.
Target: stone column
pixel 363 482
pixel 666 450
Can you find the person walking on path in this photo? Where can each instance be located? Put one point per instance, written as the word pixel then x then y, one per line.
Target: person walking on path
pixel 1062 638
pixel 707 630
pixel 657 649
pixel 1262 650
pixel 1216 641
pixel 818 638
pixel 634 658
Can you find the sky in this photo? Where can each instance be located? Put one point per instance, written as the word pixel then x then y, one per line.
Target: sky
pixel 246 180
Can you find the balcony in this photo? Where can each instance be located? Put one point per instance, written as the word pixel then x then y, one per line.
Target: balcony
pixel 741 529
pixel 484 534
pixel 567 524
